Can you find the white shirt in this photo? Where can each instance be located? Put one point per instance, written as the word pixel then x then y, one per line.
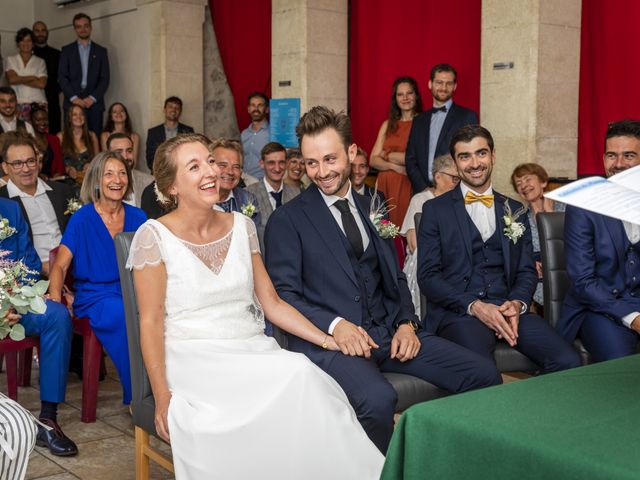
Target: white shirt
pixel 484 218
pixel 42 218
pixel 12 125
pixel 271 189
pixel 415 206
pixel 330 200
pixel 633 234
pixel 36 67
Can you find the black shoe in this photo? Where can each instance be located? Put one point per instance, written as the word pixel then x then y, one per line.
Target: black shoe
pixel 55 439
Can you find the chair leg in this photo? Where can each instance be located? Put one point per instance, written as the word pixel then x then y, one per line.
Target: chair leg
pixel 142 460
pixel 12 374
pixel 90 372
pixel 1 361
pixel 24 367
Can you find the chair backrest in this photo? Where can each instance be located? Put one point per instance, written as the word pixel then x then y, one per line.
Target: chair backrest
pixel 555 281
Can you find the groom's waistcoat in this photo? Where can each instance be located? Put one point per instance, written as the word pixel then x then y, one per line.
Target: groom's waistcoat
pixel 487 277
pixel 632 267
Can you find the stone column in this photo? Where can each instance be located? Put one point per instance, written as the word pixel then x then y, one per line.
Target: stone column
pixel 532 108
pixel 309 49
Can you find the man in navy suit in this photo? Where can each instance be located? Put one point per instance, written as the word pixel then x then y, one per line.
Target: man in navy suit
pixel 83 73
pixel 359 172
pixel 432 130
pixel 327 259
pixel 169 129
pixel 476 266
pixel 602 307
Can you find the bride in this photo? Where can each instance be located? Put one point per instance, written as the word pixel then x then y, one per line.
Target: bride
pixel 230 401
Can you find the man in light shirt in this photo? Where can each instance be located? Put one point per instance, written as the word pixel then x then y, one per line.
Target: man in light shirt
pixel 256 135
pixel 9 121
pixel 602 307
pixel 476 266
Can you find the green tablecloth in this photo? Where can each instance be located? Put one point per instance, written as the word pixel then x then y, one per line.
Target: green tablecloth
pixel 578 424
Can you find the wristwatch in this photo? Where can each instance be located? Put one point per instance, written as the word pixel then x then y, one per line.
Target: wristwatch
pixel 411 323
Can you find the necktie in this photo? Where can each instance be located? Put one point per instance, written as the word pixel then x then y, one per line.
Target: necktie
pixel 442 109
pixel 227 205
pixel 471 197
pixel 350 226
pixel 278 197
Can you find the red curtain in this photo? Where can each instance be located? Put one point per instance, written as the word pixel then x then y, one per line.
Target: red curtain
pixel 243 33
pixel 609 72
pixel 389 39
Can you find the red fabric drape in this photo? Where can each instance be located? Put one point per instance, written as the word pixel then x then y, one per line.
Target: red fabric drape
pixel 391 39
pixel 609 72
pixel 243 33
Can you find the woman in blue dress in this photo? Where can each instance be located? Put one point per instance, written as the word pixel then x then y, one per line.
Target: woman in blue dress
pixel 87 247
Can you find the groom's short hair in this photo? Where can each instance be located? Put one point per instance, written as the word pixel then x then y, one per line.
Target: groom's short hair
pixel 468 133
pixel 319 119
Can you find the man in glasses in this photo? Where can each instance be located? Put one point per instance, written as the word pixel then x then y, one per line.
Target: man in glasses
pixel 43 203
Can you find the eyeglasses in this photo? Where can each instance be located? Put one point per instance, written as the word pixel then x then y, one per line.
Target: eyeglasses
pixel 18 164
pixel 454 178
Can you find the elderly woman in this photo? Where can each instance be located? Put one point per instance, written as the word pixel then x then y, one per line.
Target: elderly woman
pixel 295 169
pixel 445 178
pixel 530 181
pixel 87 247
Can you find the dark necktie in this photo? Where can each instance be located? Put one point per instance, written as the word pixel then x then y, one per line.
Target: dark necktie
pixel 227 205
pixel 278 198
pixel 350 226
pixel 442 109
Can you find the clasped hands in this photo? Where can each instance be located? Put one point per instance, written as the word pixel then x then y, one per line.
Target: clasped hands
pixel 502 319
pixel 86 102
pixel 355 341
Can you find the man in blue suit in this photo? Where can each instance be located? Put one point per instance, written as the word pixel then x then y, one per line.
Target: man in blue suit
pixel 54 329
pixel 83 73
pixel 476 266
pixel 602 307
pixel 326 259
pixel 432 130
pixel 359 173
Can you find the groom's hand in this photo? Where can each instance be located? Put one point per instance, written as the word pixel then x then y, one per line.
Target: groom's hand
pixel 352 340
pixel 405 344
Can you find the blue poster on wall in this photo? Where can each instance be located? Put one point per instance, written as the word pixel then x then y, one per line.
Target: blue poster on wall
pixel 284 115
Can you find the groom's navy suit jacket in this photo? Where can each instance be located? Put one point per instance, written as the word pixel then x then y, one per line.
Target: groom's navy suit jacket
pixel 445 263
pixel 310 267
pixel 602 278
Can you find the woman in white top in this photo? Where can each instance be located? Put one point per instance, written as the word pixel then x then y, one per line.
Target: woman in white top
pixel 27 74
pixel 445 178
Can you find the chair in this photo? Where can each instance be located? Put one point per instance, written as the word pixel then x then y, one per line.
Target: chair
pixel 142 403
pixel 555 280
pixel 18 356
pixel 92 358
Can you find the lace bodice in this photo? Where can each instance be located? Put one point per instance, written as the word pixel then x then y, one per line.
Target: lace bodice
pixel 210 290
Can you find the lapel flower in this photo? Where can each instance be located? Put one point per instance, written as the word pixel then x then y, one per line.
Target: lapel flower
pixel 513 230
pixel 248 209
pixel 377 213
pixel 73 205
pixel 6 230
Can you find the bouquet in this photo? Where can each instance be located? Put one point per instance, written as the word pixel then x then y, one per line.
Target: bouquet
pixel 377 211
pixel 73 205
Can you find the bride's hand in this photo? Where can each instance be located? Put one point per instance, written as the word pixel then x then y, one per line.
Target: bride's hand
pixel 368 339
pixel 331 344
pixel 161 418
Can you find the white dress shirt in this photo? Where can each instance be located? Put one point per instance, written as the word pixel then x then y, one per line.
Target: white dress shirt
pixel 484 218
pixel 271 189
pixel 12 126
pixel 633 234
pixel 36 67
pixel 42 218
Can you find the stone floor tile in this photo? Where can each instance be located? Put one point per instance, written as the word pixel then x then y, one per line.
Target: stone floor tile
pixel 41 466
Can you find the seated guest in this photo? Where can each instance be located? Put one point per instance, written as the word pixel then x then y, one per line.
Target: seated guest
pixel 123 145
pixel 271 192
pixel 228 157
pixel 118 121
pixel 477 274
pixel 359 172
pixel 169 129
pixel 9 121
pixel 79 145
pixel 53 327
pixel 87 248
pixel 445 179
pixel 602 307
pixel 48 145
pixel 295 169
pixel 530 181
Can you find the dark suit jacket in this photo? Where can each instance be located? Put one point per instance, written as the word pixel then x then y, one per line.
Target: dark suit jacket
pixel 59 196
pixel 149 202
pixel 417 154
pixel 70 73
pixel 51 57
pixel 243 197
pixel 595 251
pixel 309 265
pixel 445 257
pixel 156 136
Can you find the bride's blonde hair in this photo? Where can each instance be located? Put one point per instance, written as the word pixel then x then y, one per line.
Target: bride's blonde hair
pixel 165 167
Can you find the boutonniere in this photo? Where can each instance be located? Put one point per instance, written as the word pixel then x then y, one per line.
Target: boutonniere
pixel 73 205
pixel 6 230
pixel 513 230
pixel 248 209
pixel 377 211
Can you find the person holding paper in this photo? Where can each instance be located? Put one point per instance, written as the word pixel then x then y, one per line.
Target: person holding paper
pixel 602 307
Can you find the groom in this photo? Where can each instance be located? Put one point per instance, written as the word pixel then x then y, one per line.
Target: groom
pixel 326 258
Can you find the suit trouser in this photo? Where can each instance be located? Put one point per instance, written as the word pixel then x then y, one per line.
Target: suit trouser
pixel 606 339
pixel 54 328
pixel 536 339
pixel 440 362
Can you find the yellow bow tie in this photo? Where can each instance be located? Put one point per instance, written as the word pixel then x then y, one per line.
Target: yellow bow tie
pixel 487 200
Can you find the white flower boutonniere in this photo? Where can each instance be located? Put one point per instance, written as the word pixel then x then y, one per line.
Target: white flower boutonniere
pixel 6 230
pixel 513 230
pixel 378 210
pixel 248 209
pixel 73 205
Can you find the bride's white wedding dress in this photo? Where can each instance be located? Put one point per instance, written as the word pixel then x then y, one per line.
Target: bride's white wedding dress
pixel 241 407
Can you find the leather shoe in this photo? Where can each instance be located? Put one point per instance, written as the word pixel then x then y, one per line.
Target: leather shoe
pixel 55 439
